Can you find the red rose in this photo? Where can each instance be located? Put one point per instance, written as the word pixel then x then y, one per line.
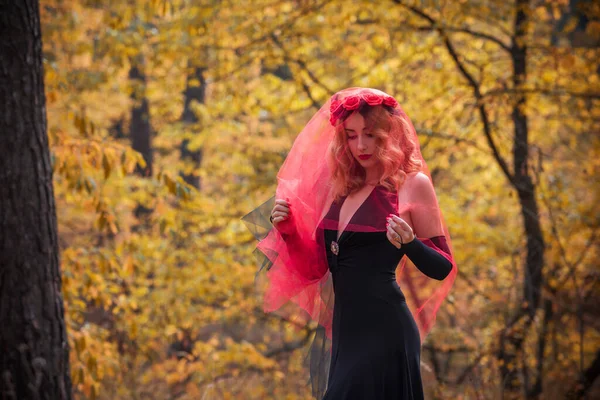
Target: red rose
pixel 390 101
pixel 372 99
pixel 333 118
pixel 335 106
pixel 352 102
pixel 335 109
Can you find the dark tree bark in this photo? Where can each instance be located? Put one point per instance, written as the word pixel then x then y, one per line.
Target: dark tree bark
pixel 195 90
pixel 34 353
pixel 117 128
pixel 585 382
pixel 579 36
pixel 511 340
pixel 536 390
pixel 139 128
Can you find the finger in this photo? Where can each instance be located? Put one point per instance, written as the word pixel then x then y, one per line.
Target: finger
pixel 393 228
pixel 390 236
pixel 280 214
pixel 393 222
pixel 282 202
pixel 402 237
pixel 391 232
pixel 278 219
pixel 402 224
pixel 398 220
pixel 394 234
pixel 281 208
pixel 392 240
pixel 404 230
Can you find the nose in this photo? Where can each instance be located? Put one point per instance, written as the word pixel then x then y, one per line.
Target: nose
pixel 361 143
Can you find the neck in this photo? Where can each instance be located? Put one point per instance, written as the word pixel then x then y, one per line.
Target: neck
pixel 372 176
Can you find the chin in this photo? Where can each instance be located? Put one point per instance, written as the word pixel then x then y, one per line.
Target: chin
pixel 367 163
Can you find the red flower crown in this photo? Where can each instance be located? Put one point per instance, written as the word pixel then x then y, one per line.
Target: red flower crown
pixel 351 103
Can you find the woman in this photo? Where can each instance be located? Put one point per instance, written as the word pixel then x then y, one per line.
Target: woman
pixel 354 197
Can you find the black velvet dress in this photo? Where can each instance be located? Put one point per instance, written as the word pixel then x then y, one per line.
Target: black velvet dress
pixel 375 343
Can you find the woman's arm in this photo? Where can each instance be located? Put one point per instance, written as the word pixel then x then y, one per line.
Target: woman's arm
pixel 303 257
pixel 428 257
pixel 424 210
pixel 431 254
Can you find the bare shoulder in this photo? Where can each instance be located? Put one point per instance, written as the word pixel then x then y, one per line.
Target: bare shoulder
pixel 416 177
pixel 417 180
pixel 418 186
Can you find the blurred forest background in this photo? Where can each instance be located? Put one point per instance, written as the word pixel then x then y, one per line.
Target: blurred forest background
pixel 168 121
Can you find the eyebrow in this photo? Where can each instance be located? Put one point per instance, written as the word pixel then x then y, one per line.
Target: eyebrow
pixel 352 130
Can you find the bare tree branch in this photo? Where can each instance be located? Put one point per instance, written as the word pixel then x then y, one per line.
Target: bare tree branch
pixel 472 82
pixel 447 136
pixel 284 26
pixel 536 390
pixel 471 32
pixel 563 92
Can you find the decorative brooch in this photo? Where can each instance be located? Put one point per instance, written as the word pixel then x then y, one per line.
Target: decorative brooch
pixel 335 248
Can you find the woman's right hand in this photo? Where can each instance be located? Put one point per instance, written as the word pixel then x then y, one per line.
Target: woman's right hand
pixel 281 214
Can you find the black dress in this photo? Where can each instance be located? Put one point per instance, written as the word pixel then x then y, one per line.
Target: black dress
pixel 375 340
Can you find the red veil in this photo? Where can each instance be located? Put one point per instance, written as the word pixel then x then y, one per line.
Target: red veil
pixel 294 278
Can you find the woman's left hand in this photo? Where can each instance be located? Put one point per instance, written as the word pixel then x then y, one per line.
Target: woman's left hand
pixel 398 231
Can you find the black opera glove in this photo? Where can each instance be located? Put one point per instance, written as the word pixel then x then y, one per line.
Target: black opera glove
pixel 429 261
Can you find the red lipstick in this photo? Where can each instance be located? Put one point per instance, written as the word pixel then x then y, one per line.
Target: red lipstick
pixel 365 156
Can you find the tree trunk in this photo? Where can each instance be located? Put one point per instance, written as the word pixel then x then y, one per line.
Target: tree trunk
pixel 34 353
pixel 511 342
pixel 195 90
pixel 139 128
pixel 585 382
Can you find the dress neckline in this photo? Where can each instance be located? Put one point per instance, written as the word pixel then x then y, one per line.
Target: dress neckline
pixel 339 235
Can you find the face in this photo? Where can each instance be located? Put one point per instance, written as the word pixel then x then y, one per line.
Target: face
pixel 361 141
